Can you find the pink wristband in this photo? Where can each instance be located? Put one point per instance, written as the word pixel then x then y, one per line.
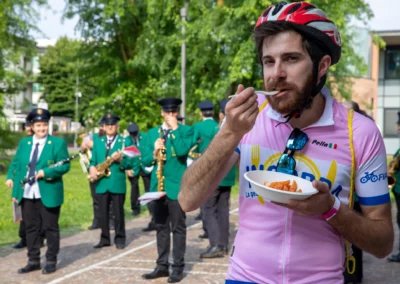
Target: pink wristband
pixel 335 208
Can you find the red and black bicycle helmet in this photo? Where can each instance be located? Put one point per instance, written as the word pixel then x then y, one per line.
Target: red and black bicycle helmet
pixel 314 25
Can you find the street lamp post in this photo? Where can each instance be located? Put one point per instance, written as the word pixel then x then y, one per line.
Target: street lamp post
pixel 77 96
pixel 184 11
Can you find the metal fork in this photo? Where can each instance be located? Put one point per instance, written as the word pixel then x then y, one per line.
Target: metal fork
pixel 255 157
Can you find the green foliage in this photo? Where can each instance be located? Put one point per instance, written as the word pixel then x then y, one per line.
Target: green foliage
pixel 133 51
pixel 17 19
pixel 59 69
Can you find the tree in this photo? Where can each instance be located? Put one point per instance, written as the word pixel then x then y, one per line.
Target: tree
pixel 134 50
pixel 17 19
pixel 60 67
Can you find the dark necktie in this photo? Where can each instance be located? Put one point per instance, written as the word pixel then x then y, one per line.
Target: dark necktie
pixel 32 165
pixel 108 145
pixel 166 132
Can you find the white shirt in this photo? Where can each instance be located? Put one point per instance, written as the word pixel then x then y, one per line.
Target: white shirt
pixel 32 191
pixel 164 127
pixel 109 139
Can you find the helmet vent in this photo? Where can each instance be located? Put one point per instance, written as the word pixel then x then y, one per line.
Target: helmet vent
pixel 278 7
pixel 294 8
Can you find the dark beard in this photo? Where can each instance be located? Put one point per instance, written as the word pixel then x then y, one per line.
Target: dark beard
pixel 289 104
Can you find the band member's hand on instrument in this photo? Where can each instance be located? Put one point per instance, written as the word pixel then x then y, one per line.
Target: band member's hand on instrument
pixel 93 173
pixel 40 174
pixel 172 121
pixel 241 111
pixel 116 156
pixel 9 183
pixel 159 144
pixel 129 173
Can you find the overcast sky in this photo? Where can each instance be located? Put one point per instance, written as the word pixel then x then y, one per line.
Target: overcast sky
pixel 385 18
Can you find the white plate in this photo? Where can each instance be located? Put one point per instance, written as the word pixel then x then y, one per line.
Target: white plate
pixel 257 179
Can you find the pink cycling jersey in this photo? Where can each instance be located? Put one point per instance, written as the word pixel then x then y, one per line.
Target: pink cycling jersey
pixel 277 245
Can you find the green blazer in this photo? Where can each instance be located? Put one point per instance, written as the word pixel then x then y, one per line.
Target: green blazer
pixel 51 187
pixel 230 178
pixel 206 130
pixel 177 148
pixel 116 182
pixel 137 164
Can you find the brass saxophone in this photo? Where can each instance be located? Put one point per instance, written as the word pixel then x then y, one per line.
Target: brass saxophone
pixel 103 169
pixel 393 168
pixel 160 157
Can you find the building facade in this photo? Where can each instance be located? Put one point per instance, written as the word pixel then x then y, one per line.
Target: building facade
pixel 17 106
pixel 388 94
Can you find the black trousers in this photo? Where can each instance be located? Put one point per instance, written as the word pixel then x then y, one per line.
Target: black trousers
pixel 117 202
pixel 135 204
pixel 37 217
pixel 169 217
pixel 216 216
pixel 357 276
pixel 22 232
pixel 95 200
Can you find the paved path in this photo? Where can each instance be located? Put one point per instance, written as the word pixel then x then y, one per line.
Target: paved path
pixel 80 263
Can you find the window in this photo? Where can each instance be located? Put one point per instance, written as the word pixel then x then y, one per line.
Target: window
pixel 362 45
pixel 37 88
pixel 392 64
pixel 390 122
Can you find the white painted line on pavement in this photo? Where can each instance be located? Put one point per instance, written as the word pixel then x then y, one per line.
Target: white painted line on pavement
pixel 151 269
pixel 94 266
pixel 186 262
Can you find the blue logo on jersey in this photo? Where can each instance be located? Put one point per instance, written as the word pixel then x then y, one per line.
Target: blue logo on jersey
pixel 373 177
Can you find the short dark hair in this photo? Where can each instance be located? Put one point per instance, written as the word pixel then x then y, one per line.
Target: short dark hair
pixel 269 29
pixel 207 113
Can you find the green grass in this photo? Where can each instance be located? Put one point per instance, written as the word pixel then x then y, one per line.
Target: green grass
pixel 76 212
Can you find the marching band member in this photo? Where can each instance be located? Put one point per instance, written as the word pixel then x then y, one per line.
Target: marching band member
pixel 41 198
pixel 87 144
pixel 111 188
pixel 216 209
pixel 176 139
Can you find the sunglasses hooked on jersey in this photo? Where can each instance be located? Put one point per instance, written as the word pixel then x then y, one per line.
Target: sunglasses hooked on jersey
pixel 296 142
